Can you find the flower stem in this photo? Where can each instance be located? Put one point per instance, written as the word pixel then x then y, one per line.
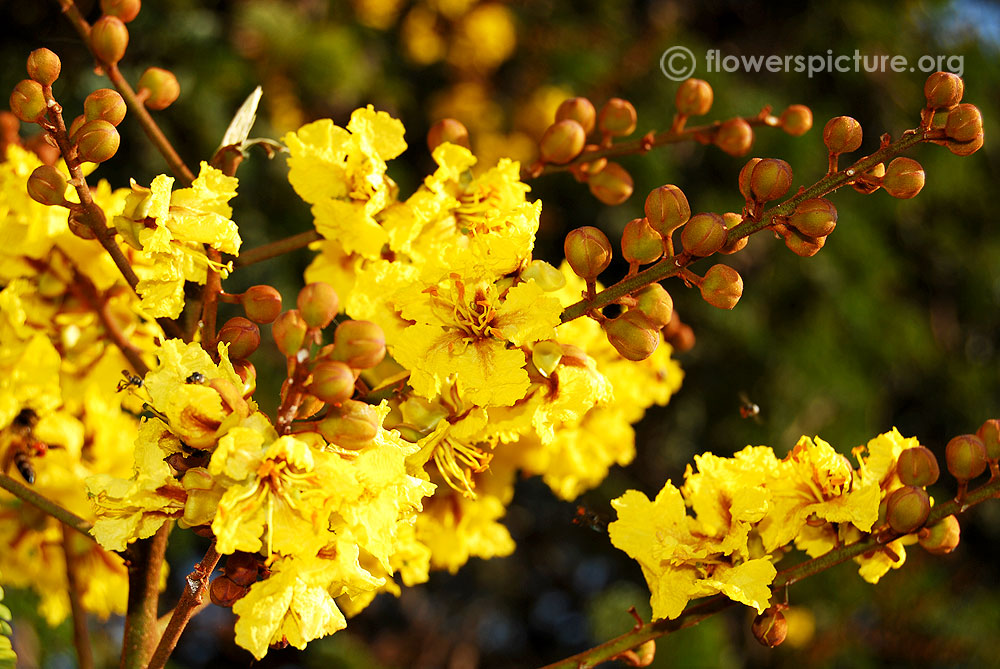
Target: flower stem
pixel 277 248
pixel 65 516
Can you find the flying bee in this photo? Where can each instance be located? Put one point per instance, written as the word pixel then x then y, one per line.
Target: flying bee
pixel 587 518
pixel 196 378
pixel 749 409
pixel 129 381
pixel 22 445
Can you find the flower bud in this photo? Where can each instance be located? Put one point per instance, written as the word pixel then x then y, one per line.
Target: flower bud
pixel 27 101
pixel 158 88
pixel 108 39
pixel 966 457
pixel 731 220
pixel 97 141
pixel 289 331
pixel 78 224
pixel 332 382
pixel 546 356
pixel 842 134
pixel 655 304
pixel 735 137
pixel 722 286
pixel 318 303
pixel 352 425
pixel 703 234
pixel 770 179
pixel 907 509
pixel 943 90
pixel 106 104
pixel 873 181
pixel 641 244
pixel 942 537
pixel 74 127
pixel 918 466
pixel 770 628
pixel 612 185
pixel 447 130
pixel 989 434
pixel 224 592
pixel 545 275
pixel 815 217
pixel 562 142
pixel 261 304
pixel 360 344
pixel 904 177
pixel 632 335
pixel 44 66
pixel 617 118
pixel 965 148
pixel 242 568
pixel 796 120
pixel 126 10
pixel 683 338
pixel 667 209
pixel 47 185
pixel 694 97
pixel 242 335
pixel 580 110
pixel 588 251
pixel 744 178
pixel 964 123
pixel 802 245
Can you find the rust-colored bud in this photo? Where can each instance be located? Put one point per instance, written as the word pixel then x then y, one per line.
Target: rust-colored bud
pixel 447 130
pixel 770 628
pixel 683 339
pixel 744 178
pixel 225 592
pixel 731 220
pixel 546 356
pixel 318 303
pixel 802 245
pixel 966 457
pixel 842 134
pixel 242 568
pixel 78 224
pixel 815 217
pixel 918 466
pixel 964 123
pixel 351 425
pixel 796 120
pixel 106 104
pixel 74 127
pixel 641 244
pixel 588 251
pixel 261 303
pixel 703 234
pixel 770 179
pixel 656 304
pixel 965 148
pixel 735 137
pixel 242 335
pixel 126 10
pixel 694 97
pixel 942 537
pixel 27 101
pixel 360 344
pixel 612 185
pixel 289 331
pixel 109 39
pixel 989 434
pixel 617 118
pixel 47 185
pixel 332 382
pixel 580 110
pixel 943 90
pixel 904 177
pixel 97 141
pixel 632 335
pixel 562 142
pixel 722 286
pixel 667 209
pixel 158 88
pixel 44 66
pixel 907 509
pixel 545 275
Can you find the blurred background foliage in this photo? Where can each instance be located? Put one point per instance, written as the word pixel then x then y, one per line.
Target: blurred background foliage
pixel 894 323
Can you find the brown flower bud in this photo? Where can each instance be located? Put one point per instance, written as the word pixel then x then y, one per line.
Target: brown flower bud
pixel 632 335
pixel 904 177
pixel 225 592
pixel 242 568
pixel 965 148
pixel 680 335
pixel 360 344
pixel 735 137
pixel 97 141
pixel 942 537
pixel 815 217
pixel 802 245
pixel 580 110
pixel 943 90
pixel 351 425
pixel 964 123
pixel 694 97
pixel 588 251
pixel 722 286
pixel 918 466
pixel 641 244
pixel 289 331
pixel 703 234
pixel 44 66
pixel 242 335
pixel 318 303
pixel 617 118
pixel 907 509
pixel 744 178
pixel 731 220
pixel 842 134
pixel 562 142
pixel 612 185
pixel 796 120
pixel 989 434
pixel 126 10
pixel 78 224
pixel 261 304
pixel 158 88
pixel 966 457
pixel 108 39
pixel 770 179
pixel 656 304
pixel 447 130
pixel 332 382
pixel 770 628
pixel 47 185
pixel 106 104
pixel 667 209
pixel 27 101
pixel 74 127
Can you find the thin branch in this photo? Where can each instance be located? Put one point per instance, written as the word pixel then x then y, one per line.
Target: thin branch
pixel 63 515
pixel 210 302
pixel 81 637
pixel 144 559
pixel 275 249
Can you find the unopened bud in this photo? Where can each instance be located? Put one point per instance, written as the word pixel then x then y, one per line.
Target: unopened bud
pixel 617 118
pixel 105 104
pixel 289 331
pixel 873 181
pixel 332 382
pixel 318 303
pixel 965 148
pixel 722 286
pixel 632 335
pixel 545 356
pixel 545 275
pixel 815 217
pixel 744 178
pixel 667 209
pixel 74 127
pixel 966 457
pixel 588 251
pixel 159 88
pixel 641 244
pixel 47 185
pixel 907 509
pixel 964 123
pixel 352 425
pixel 918 466
pixel 694 97
pixel 78 224
pixel 802 245
pixel 942 537
pixel 735 137
pixel 44 66
pixel 126 10
pixel 770 628
pixel 242 335
pixel 562 142
pixel 731 220
pixel 842 134
pixel 612 185
pixel 796 120
pixel 580 110
pixel 360 344
pixel 989 434
pixel 447 130
pixel 703 234
pixel 109 39
pixel 656 304
pixel 224 592
pixel 242 568
pixel 97 141
pixel 904 177
pixel 261 304
pixel 943 90
pixel 27 101
pixel 770 179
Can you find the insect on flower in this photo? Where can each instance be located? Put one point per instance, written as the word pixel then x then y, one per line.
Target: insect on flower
pixel 129 381
pixel 196 378
pixel 21 446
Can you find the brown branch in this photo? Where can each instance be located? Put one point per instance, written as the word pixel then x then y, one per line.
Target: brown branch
pixel 275 249
pixel 210 302
pixel 144 559
pixel 63 515
pixel 81 637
